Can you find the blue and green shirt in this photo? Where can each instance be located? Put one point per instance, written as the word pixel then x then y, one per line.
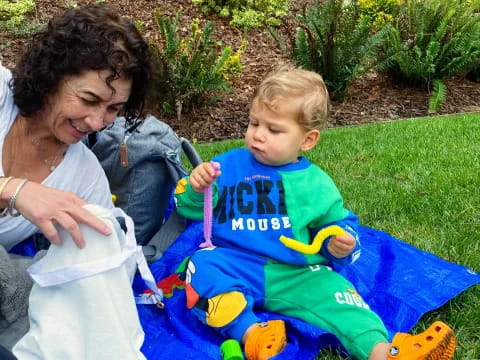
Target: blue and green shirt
pixel 254 204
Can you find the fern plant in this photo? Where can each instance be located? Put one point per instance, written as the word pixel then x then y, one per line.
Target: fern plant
pixel 188 70
pixel 433 40
pixel 437 97
pixel 334 40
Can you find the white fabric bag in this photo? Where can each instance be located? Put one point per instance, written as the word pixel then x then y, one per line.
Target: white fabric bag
pixel 82 306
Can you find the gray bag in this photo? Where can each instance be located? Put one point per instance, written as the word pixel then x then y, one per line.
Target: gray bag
pixel 143 163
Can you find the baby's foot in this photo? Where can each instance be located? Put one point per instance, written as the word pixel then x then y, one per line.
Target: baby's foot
pixel 435 343
pixel 265 340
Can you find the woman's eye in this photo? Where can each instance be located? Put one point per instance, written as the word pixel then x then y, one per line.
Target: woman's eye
pixel 113 109
pixel 89 102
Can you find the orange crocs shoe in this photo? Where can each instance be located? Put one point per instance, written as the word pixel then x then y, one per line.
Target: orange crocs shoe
pixel 266 340
pixel 435 343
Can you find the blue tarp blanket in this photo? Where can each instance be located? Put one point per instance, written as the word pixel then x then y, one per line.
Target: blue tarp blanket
pixel 397 280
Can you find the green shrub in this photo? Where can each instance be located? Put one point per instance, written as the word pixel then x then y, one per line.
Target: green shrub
pixel 12 12
pixel 70 4
pixel 247 14
pixel 233 64
pixel 381 12
pixel 438 96
pixel 334 40
pixel 26 29
pixel 433 40
pixel 189 70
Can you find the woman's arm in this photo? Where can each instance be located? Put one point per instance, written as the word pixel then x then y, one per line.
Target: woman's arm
pixel 46 207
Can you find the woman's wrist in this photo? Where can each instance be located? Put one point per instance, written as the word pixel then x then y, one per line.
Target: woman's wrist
pixel 4 202
pixel 13 199
pixel 9 194
pixel 3 183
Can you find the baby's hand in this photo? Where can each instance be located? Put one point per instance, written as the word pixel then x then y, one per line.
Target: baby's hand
pixel 203 176
pixel 341 245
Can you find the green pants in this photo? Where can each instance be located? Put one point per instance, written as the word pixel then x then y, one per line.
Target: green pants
pixel 322 297
pixel 223 293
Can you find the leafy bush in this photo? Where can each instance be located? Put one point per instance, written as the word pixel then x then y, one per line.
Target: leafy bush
pixel 432 40
pixel 334 40
pixel 189 70
pixel 381 12
pixel 438 95
pixel 12 12
pixel 233 64
pixel 26 29
pixel 247 13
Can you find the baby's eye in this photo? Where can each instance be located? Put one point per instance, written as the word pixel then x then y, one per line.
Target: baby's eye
pixel 252 122
pixel 274 131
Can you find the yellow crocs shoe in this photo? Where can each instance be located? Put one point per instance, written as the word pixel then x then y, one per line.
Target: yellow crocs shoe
pixel 266 340
pixel 435 343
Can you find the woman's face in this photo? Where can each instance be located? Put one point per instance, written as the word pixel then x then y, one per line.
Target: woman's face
pixel 84 104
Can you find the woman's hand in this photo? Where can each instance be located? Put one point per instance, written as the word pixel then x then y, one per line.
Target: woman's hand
pixel 341 245
pixel 203 176
pixel 46 207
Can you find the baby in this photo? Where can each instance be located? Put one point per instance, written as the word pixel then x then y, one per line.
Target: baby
pixel 267 192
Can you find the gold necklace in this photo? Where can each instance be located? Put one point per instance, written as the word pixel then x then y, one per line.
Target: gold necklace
pixel 51 163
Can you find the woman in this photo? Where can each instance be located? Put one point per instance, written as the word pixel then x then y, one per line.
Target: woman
pixel 88 66
pixel 74 79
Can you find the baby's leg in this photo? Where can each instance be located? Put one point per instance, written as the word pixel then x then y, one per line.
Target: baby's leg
pixel 326 299
pixel 322 297
pixel 437 342
pixel 223 293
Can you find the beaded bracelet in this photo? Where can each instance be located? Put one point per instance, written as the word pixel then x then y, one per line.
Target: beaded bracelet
pixel 4 211
pixel 13 199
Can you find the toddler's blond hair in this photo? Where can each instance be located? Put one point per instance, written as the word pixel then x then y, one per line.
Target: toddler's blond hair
pixel 305 87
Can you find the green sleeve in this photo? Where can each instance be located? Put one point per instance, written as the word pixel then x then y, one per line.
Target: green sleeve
pixel 313 200
pixel 189 202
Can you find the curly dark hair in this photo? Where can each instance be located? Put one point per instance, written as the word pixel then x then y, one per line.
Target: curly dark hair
pixel 93 37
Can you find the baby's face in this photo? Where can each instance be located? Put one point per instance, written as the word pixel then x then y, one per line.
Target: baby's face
pixel 274 136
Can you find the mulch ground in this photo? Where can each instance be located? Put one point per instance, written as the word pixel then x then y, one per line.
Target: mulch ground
pixel 371 99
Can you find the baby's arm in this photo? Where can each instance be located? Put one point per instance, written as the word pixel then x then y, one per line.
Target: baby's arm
pixel 344 249
pixel 189 191
pixel 341 245
pixel 203 176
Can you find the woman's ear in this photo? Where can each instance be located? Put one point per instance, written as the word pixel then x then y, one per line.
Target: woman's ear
pixel 310 139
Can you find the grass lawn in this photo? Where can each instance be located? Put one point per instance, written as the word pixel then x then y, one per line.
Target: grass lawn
pixel 418 180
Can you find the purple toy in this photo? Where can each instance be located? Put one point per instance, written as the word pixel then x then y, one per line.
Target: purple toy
pixel 207 212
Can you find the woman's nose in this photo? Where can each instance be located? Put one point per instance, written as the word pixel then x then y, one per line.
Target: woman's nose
pixel 96 119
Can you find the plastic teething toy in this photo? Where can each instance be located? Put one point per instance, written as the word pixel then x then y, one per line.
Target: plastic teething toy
pixel 207 212
pixel 317 242
pixel 231 350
